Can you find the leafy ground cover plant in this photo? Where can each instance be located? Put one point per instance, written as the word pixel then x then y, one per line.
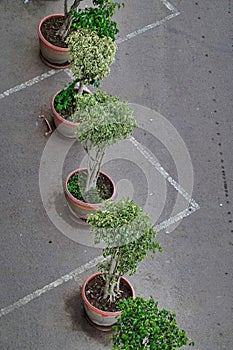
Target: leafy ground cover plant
pixel 143 326
pixel 129 237
pixel 65 101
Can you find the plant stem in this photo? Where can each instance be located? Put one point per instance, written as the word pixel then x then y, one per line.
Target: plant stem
pixel 94 164
pixel 112 281
pixel 65 28
pixel 65 8
pixel 80 88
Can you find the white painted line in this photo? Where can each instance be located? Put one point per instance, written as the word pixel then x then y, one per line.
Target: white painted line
pixel 69 73
pixel 119 41
pixel 172 220
pixel 169 6
pixel 166 223
pixel 163 172
pixel 72 275
pixel 29 83
pixel 193 206
pixel 152 25
pixel 75 273
pixel 146 28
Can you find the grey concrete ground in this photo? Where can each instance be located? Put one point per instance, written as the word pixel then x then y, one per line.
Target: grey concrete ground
pixel 182 69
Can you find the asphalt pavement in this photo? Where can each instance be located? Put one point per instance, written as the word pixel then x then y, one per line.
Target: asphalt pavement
pixel 174 66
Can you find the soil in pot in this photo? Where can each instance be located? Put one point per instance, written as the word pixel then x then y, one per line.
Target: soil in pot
pixel 50 29
pixel 76 184
pixel 95 290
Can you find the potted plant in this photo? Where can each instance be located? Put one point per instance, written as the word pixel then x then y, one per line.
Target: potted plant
pixel 105 120
pixel 141 325
pixel 91 56
pixel 129 237
pixel 53 30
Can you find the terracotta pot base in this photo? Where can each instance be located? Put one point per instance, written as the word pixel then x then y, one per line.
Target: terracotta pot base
pixel 53 65
pixel 79 208
pixel 65 127
pixel 52 55
pixel 96 326
pixel 80 219
pixel 102 320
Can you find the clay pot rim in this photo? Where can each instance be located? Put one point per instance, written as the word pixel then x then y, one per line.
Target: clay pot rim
pixel 81 203
pixel 42 38
pixel 93 308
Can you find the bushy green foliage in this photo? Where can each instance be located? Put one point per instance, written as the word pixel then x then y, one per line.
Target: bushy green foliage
pixel 129 237
pixel 105 119
pixel 142 326
pixel 90 55
pixel 98 18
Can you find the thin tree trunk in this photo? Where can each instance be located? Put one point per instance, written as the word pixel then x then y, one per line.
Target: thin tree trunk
pixel 65 8
pixel 64 30
pixel 115 270
pixel 110 283
pixel 80 88
pixel 94 169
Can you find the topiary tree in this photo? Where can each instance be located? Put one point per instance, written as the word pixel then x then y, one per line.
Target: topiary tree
pixel 90 56
pixel 92 48
pixel 105 120
pixel 129 237
pixel 143 326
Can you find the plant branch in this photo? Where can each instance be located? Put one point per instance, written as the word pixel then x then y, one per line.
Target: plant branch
pixel 94 164
pixel 65 28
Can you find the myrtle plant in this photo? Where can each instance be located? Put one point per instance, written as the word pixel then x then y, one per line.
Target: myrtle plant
pixel 143 326
pixel 90 36
pixel 98 18
pixel 129 237
pixel 90 56
pixel 105 120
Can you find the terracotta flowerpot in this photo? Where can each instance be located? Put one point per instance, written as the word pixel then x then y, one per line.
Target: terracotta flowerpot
pixel 65 127
pixel 99 317
pixel 79 208
pixel 53 56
